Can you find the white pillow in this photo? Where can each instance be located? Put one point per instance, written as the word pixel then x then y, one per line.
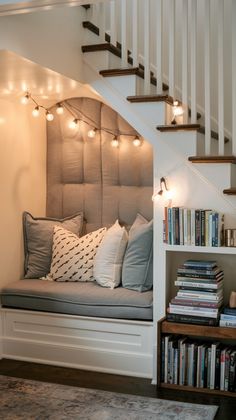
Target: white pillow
pixel 73 257
pixel 109 258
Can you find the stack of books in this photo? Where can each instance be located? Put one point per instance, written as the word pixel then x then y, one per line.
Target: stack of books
pixel 197 227
pixel 200 294
pixel 228 317
pixel 197 363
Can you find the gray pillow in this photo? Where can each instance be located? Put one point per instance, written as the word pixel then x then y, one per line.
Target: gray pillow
pixel 137 271
pixel 38 236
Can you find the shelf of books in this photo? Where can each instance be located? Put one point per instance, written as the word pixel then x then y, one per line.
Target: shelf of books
pixel 196 339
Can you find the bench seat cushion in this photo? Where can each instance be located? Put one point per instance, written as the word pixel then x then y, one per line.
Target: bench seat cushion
pixel 85 299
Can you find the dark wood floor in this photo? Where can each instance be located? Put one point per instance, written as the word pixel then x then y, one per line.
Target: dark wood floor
pixel 116 383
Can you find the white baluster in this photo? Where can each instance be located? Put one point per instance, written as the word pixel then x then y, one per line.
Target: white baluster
pixel 172 48
pixel 124 32
pixel 135 32
pixel 207 79
pixel 102 22
pixel 233 77
pixel 185 59
pixel 146 14
pixel 113 27
pixel 159 47
pixel 221 75
pixel 193 61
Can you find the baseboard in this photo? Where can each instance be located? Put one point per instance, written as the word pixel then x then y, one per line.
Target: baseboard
pixel 98 344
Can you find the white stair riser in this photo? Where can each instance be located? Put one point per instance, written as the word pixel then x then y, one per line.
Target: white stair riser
pixel 154 112
pixel 185 142
pixel 102 60
pixel 222 175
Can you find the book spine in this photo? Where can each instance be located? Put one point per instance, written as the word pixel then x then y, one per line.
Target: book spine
pixel 189 319
pixel 227 362
pixel 197 285
pixel 201 304
pixel 202 218
pixel 169 226
pixel 214 229
pixel 222 369
pixel 232 371
pixel 196 309
pixel 193 227
pixel 189 312
pixel 217 369
pixel 181 226
pixel 197 228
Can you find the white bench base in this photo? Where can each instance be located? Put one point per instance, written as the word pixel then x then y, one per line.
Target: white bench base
pixel 100 344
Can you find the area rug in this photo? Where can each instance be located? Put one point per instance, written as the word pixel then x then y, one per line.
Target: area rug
pixel 33 400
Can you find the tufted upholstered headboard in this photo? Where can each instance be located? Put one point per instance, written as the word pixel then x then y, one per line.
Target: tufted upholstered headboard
pixel 90 175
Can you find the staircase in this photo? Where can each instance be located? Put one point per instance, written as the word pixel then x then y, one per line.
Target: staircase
pixel 115 55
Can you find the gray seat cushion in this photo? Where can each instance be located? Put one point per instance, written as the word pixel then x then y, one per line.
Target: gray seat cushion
pixel 87 299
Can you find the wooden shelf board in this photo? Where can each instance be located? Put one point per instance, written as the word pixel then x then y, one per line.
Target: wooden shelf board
pixel 194 389
pixel 198 330
pixel 200 249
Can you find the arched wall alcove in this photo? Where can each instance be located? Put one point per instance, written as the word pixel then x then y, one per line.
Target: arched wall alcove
pixel 89 174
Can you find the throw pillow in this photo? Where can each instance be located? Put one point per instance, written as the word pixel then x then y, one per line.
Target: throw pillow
pixel 109 258
pixel 38 234
pixel 138 260
pixel 72 257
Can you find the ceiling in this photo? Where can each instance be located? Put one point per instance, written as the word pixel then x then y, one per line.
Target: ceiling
pixel 19 75
pixel 8 7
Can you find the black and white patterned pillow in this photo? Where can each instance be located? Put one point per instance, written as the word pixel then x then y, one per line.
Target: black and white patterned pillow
pixel 72 257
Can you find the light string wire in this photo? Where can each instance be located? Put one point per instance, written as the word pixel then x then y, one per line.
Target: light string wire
pixel 78 115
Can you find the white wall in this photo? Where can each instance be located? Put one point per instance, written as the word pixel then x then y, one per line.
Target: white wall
pixel 22 181
pixel 50 38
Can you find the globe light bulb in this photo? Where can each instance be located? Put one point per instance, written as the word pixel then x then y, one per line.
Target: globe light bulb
pixel 92 133
pixel 115 142
pixel 137 142
pixel 73 124
pixel 35 112
pixel 25 99
pixel 168 194
pixel 49 116
pixel 59 109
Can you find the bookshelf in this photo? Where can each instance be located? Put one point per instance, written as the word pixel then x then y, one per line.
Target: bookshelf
pixel 192 331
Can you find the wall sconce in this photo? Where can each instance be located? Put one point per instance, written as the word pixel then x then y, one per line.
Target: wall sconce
pixel 177 112
pixel 164 191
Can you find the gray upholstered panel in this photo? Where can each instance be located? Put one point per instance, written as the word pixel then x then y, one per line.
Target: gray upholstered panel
pixel 89 175
pixel 87 299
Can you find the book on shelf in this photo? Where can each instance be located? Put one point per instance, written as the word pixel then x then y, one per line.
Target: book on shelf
pixel 173 310
pixel 200 264
pixel 229 311
pixel 194 303
pixel 191 319
pixel 201 285
pixel 196 227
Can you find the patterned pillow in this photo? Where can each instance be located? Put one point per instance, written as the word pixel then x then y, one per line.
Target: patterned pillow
pixel 72 257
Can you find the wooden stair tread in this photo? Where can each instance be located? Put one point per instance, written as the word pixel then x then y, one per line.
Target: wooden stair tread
pixel 214 134
pixel 157 98
pixel 230 191
pixel 95 29
pixel 106 46
pixel 212 159
pixel 119 72
pixel 150 98
pixel 178 127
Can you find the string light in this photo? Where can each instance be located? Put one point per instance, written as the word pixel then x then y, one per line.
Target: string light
pixel 137 141
pixel 35 111
pixel 49 116
pixel 60 109
pixel 115 142
pixel 74 124
pixel 92 133
pixel 25 99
